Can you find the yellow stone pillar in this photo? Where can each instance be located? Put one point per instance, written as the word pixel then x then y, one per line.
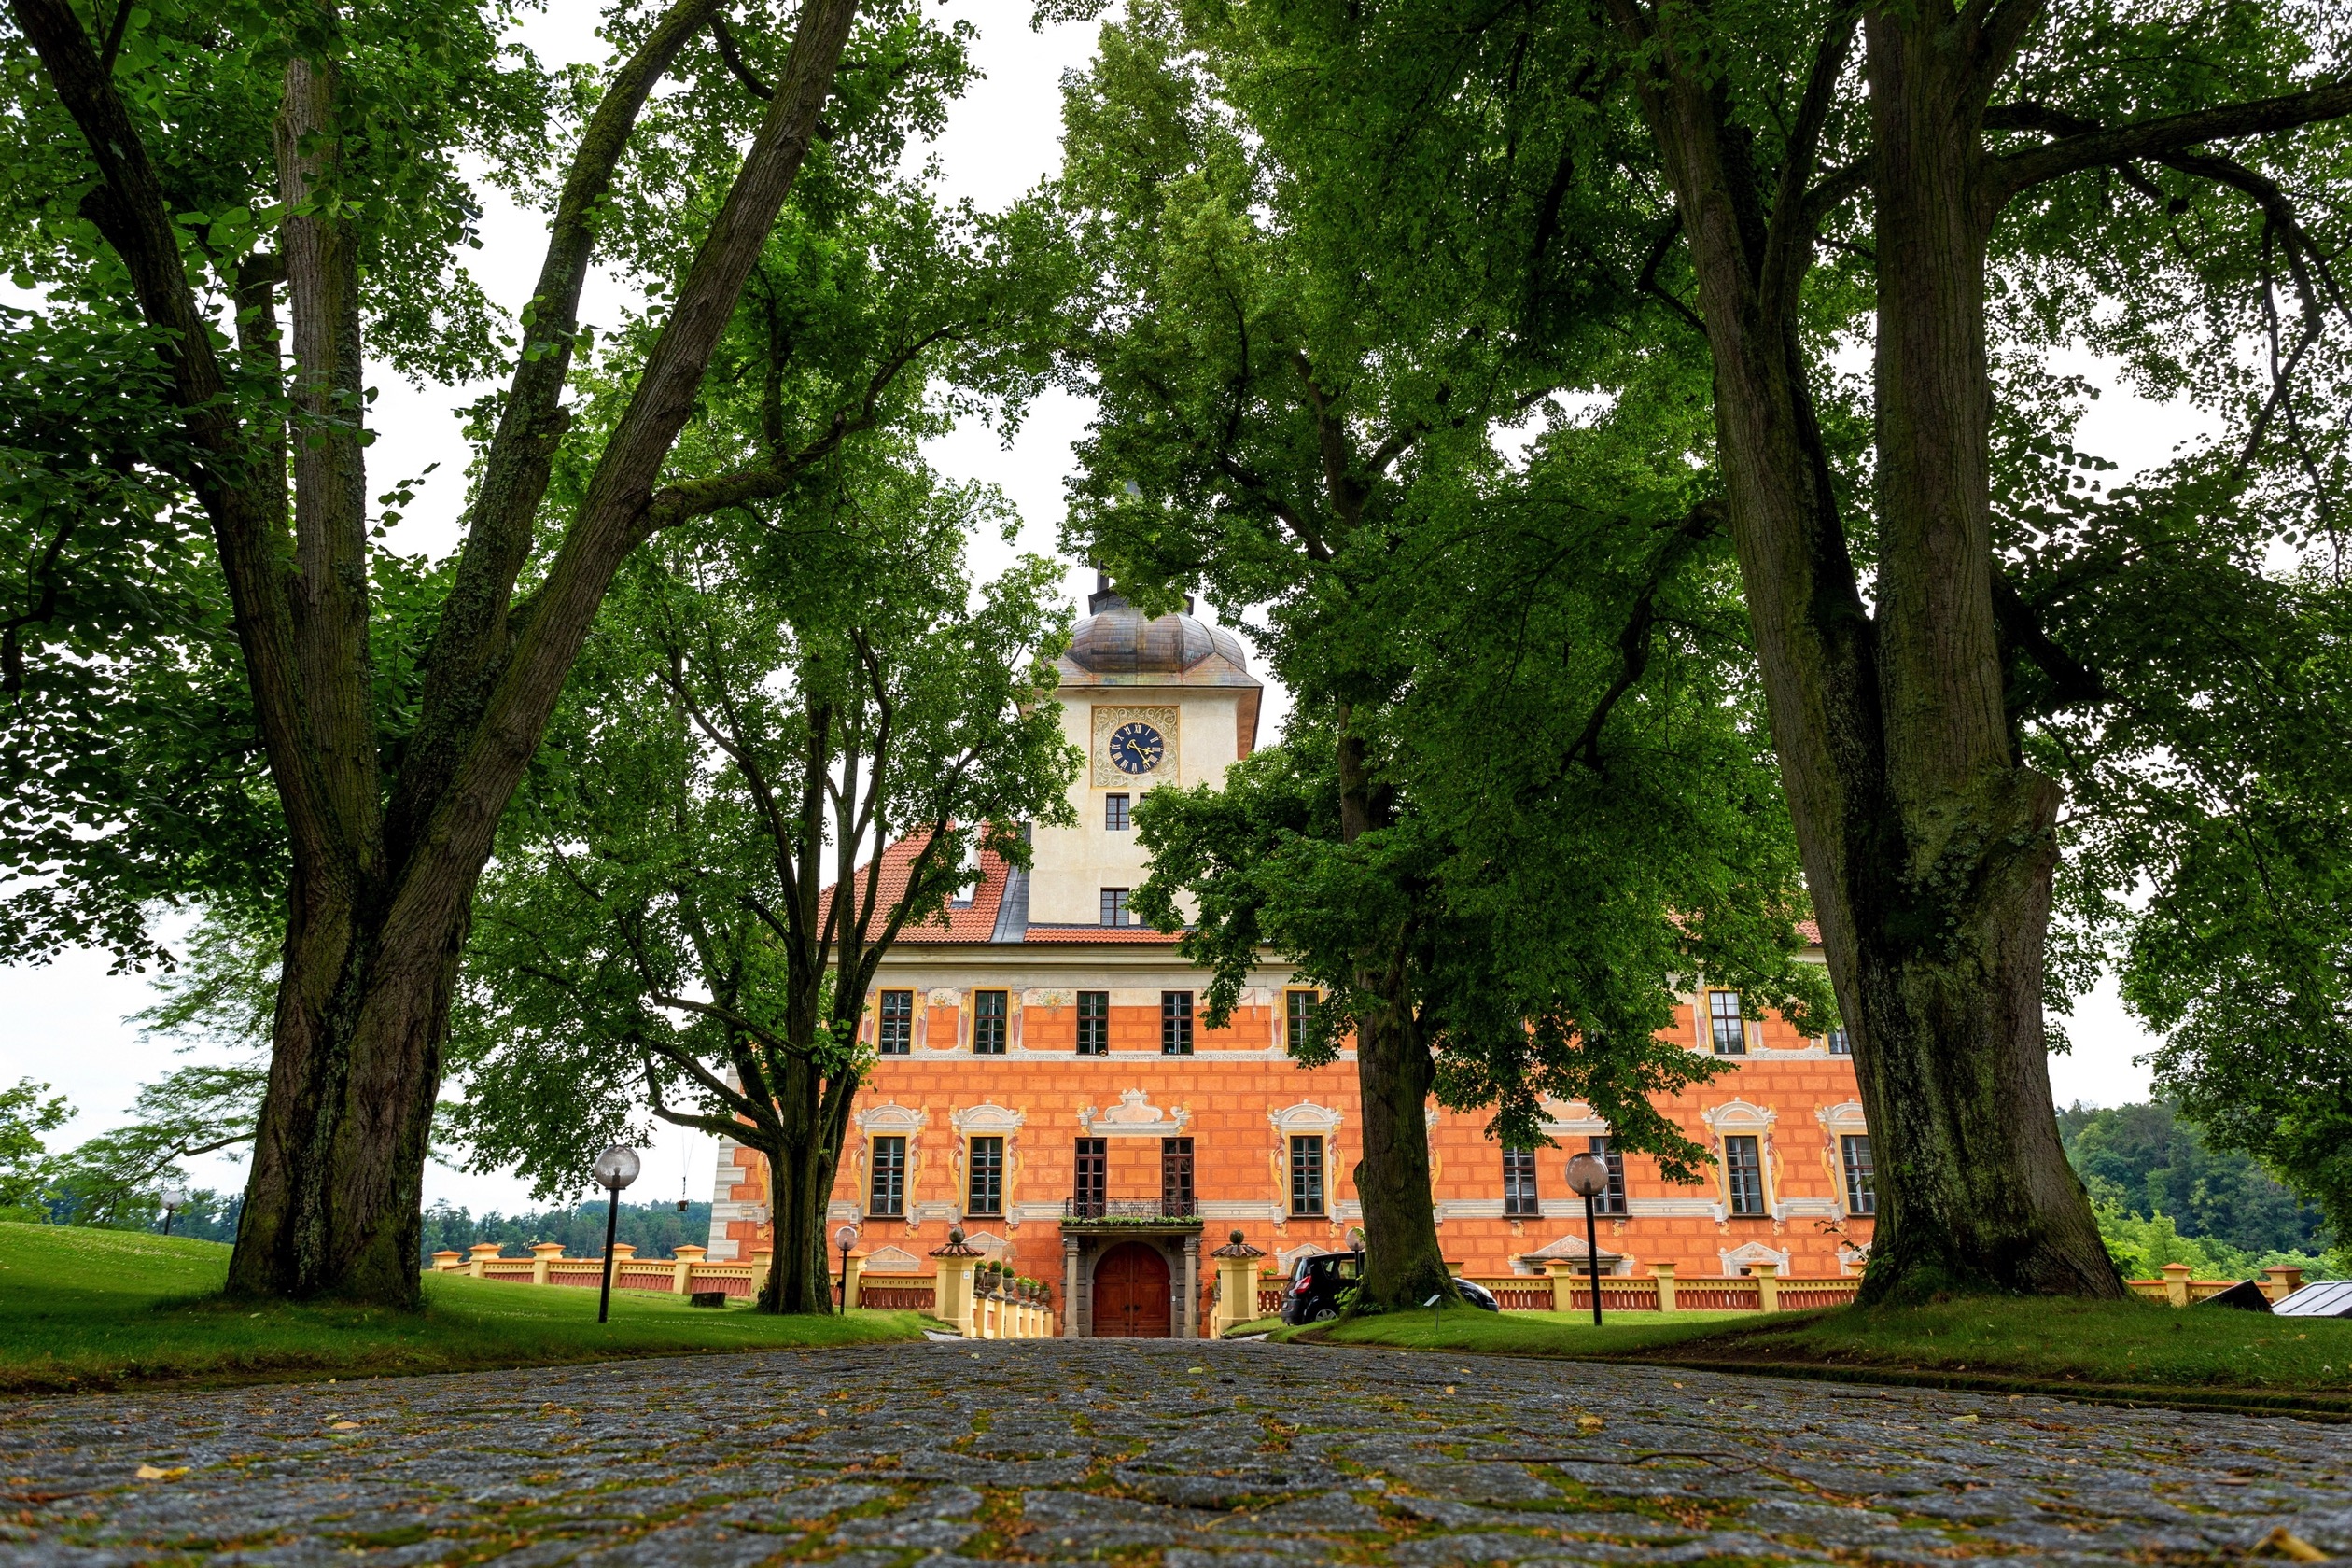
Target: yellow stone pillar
pixel 1665 1274
pixel 1767 1286
pixel 478 1255
pixel 447 1259
pixel 683 1269
pixel 2176 1282
pixel 2277 1283
pixel 543 1253
pixel 852 1278
pixel 1237 1283
pixel 952 1299
pixel 1563 1283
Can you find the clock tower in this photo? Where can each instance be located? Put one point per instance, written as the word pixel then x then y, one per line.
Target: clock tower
pixel 1151 701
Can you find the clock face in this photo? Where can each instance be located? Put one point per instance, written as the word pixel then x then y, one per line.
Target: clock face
pixel 1136 748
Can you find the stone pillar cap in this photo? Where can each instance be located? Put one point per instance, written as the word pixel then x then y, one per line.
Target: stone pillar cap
pixel 490 1246
pixel 1236 1247
pixel 547 1249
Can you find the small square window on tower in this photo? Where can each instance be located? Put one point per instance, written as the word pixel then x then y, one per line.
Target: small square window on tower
pixel 1114 907
pixel 1115 813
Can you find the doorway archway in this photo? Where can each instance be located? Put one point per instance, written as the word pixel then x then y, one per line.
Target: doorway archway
pixel 1130 1294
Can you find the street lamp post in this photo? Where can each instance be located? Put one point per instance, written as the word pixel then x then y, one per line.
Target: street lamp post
pixel 845 1237
pixel 616 1168
pixel 175 1199
pixel 1588 1177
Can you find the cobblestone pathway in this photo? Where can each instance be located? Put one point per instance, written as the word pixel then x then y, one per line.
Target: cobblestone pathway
pixel 1189 1456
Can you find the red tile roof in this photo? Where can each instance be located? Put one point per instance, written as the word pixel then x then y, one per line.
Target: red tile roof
pixel 961 922
pixel 978 921
pixel 1098 933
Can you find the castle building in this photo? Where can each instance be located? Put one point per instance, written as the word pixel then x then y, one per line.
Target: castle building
pixel 1045 1078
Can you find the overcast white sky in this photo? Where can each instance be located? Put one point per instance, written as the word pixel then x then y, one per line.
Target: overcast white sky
pixel 63 1023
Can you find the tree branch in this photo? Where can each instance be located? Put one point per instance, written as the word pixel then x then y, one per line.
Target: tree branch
pixel 733 57
pixel 2158 138
pixel 1789 233
pixel 1633 642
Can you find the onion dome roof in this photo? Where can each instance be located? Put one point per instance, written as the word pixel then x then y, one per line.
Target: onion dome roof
pixel 1118 640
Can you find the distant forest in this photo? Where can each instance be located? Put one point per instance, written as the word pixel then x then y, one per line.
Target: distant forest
pixel 2147 1163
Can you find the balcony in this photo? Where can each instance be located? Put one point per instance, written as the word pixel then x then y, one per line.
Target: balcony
pixel 1086 1214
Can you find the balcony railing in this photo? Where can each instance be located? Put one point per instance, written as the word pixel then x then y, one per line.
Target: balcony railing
pixel 1134 1210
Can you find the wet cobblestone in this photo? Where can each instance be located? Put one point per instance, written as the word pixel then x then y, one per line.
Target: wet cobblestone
pixel 1186 1456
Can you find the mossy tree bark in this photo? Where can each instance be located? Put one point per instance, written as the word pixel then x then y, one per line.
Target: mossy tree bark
pixel 380 895
pixel 1403 1263
pixel 1928 846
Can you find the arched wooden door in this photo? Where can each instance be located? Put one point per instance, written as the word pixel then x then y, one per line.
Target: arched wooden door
pixel 1130 1294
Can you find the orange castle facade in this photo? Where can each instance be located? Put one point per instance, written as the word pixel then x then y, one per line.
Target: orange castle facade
pixel 1045 1080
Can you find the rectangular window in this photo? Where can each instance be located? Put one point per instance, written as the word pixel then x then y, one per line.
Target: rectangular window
pixel 988 1010
pixel 1298 1026
pixel 1743 1168
pixel 897 1024
pixel 1861 1196
pixel 1094 1023
pixel 1307 1175
pixel 1723 1022
pixel 1840 1043
pixel 1611 1198
pixel 984 1193
pixel 1176 1176
pixel 1091 1181
pixel 1176 1024
pixel 1115 909
pixel 888 1197
pixel 1115 813
pixel 1519 1182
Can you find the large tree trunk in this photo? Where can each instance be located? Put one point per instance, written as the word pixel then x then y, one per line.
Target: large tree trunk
pixel 1403 1262
pixel 1403 1265
pixel 1948 938
pixel 1927 849
pixel 331 1206
pixel 799 1187
pixel 374 932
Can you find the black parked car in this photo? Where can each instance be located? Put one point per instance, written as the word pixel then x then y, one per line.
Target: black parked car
pixel 1316 1282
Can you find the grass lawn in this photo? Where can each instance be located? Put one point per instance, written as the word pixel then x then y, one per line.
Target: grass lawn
pixel 97 1309
pixel 1569 1334
pixel 2133 1348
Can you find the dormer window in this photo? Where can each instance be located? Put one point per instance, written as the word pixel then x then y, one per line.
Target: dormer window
pixel 967 874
